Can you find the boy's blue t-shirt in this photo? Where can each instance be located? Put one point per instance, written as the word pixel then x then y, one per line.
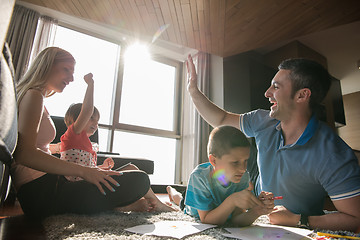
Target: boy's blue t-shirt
pixel 206 193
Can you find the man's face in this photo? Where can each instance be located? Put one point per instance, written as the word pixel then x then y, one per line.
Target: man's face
pixel 279 94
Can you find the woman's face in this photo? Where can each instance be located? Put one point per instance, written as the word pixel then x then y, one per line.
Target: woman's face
pixel 60 76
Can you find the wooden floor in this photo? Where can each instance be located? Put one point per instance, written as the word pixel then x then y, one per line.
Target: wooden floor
pixel 15 226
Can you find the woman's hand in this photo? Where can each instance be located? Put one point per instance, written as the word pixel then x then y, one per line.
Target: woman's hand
pixel 98 176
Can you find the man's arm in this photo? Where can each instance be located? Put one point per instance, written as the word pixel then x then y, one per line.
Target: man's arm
pixel 212 114
pixel 347 216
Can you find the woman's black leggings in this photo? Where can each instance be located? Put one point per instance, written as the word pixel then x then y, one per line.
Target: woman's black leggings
pixel 54 194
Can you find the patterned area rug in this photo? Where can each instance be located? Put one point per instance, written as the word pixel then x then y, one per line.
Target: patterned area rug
pixel 111 226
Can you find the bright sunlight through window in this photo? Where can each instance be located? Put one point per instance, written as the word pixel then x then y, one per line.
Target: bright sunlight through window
pixel 92 55
pixel 137 54
pixel 147 99
pixel 148 91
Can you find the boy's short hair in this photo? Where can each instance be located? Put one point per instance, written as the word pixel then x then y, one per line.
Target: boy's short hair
pixel 73 113
pixel 225 138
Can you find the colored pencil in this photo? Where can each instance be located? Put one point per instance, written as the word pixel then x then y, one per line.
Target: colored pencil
pixel 336 236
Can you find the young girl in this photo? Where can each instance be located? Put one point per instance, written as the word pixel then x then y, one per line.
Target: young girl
pixel 42 189
pixel 82 122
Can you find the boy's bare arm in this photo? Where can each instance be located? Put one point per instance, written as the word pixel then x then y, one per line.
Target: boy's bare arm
pixel 242 200
pixel 243 218
pixel 219 215
pixel 87 106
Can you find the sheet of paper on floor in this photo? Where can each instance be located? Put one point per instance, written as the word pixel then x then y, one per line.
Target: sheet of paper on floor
pixel 269 232
pixel 175 229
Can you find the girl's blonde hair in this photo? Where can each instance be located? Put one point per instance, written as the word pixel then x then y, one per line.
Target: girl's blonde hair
pixel 36 75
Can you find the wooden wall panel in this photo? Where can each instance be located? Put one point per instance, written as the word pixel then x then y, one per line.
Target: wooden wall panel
pixel 220 27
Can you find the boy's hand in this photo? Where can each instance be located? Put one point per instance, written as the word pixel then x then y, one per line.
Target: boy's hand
pixel 268 200
pixel 246 200
pixel 89 78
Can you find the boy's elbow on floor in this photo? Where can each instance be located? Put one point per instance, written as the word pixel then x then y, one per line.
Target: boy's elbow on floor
pixel 206 221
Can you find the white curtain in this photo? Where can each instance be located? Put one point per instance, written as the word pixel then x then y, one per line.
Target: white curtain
pixel 195 129
pixel 45 34
pixel 20 37
pixel 28 34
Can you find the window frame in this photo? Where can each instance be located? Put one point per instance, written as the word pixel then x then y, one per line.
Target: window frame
pixel 115 125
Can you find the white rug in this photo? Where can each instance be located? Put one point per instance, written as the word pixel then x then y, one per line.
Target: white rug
pixel 112 225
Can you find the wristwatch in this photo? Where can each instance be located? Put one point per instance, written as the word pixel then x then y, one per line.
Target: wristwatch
pixel 303 222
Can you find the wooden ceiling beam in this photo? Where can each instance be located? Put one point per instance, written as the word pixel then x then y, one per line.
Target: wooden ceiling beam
pixel 220 27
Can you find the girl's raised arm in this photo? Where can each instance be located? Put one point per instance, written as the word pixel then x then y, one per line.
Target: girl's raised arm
pixel 87 106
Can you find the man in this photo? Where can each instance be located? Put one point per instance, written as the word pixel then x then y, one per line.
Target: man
pixel 299 157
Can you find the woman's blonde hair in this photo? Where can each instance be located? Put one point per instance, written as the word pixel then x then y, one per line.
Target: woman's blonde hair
pixel 36 75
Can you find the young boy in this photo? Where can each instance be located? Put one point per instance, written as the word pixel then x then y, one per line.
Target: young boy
pixel 218 190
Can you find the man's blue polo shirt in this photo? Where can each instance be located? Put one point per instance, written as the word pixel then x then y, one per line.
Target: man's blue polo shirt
pixel 320 163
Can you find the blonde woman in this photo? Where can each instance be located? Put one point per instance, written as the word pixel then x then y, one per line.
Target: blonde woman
pixel 42 189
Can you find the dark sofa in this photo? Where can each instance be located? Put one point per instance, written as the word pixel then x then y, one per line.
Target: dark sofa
pixel 8 121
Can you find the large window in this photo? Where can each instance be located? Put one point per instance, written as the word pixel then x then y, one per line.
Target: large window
pixel 91 55
pixel 138 97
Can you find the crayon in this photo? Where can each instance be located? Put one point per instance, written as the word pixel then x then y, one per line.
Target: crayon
pixel 274 198
pixel 336 236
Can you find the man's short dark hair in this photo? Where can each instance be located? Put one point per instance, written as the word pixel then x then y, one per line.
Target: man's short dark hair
pixel 307 73
pixel 225 138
